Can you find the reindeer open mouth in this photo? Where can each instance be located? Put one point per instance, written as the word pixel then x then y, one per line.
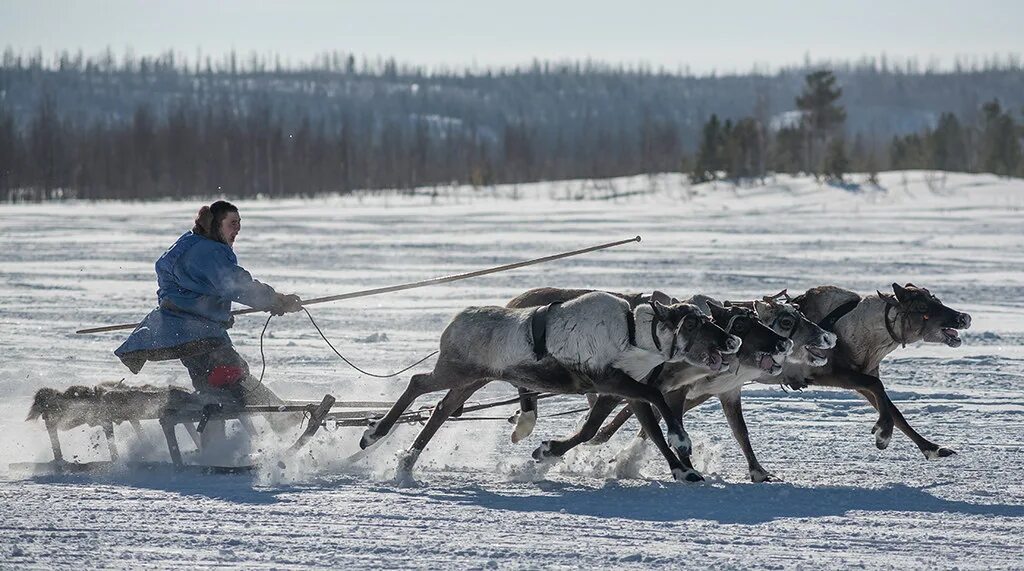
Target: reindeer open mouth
pixel 951 337
pixel 770 363
pixel 818 355
pixel 714 360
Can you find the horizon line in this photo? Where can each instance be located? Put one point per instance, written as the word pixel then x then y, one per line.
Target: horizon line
pixel 253 61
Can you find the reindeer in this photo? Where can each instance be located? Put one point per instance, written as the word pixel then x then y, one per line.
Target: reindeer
pixel 595 343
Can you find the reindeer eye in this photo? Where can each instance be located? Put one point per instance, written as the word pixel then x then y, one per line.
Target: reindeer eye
pixel 919 307
pixel 786 323
pixel 689 322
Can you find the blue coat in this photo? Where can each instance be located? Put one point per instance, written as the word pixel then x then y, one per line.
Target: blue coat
pixel 198 278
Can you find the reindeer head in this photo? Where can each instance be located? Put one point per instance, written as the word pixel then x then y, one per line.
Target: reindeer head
pixel 762 348
pixel 920 316
pixel 811 343
pixel 697 339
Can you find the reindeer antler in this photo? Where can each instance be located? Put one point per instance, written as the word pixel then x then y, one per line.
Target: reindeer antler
pixel 774 299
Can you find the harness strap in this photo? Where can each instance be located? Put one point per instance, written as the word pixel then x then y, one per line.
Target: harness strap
pixel 889 327
pixel 539 329
pixel 829 323
pixel 630 320
pixel 631 327
pixel 654 330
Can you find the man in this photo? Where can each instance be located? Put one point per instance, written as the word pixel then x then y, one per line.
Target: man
pixel 198 278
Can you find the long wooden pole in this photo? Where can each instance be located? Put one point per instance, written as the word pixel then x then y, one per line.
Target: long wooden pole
pixel 389 289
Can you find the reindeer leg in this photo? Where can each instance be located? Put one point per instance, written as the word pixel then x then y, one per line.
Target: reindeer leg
pixel 108 431
pixel 444 409
pixel 380 428
pixel 734 414
pixel 847 379
pixel 599 411
pixel 526 418
pixel 609 430
pixel 172 441
pixel 676 400
pixel 616 423
pixel 649 422
pixel 622 385
pixel 446 375
pixel 930 450
pixel 51 429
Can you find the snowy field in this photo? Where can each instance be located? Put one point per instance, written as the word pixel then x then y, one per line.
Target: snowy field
pixel 479 501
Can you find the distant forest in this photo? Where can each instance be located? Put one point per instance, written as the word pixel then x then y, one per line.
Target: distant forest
pixel 161 127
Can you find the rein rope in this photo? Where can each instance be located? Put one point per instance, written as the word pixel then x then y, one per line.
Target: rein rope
pixel 336 352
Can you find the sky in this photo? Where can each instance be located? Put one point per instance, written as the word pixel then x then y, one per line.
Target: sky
pixel 722 36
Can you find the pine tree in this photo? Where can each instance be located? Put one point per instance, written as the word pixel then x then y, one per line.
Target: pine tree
pixel 9 151
pixel 710 155
pixel 908 152
pixel 947 145
pixel 745 149
pixel 788 150
pixel 1001 150
pixel 836 162
pixel 822 117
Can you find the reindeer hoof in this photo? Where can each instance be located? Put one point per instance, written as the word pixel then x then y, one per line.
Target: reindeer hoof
pixel 682 445
pixel 686 475
pixel 882 435
pixel 403 472
pixel 543 452
pixel 524 421
pixel 761 475
pixel 369 436
pixel 938 453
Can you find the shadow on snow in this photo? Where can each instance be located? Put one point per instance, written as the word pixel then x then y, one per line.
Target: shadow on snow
pixel 739 504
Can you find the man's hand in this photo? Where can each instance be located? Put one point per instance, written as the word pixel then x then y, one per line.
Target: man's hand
pixel 285 304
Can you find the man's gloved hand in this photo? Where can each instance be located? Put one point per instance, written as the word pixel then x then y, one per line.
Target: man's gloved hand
pixel 285 304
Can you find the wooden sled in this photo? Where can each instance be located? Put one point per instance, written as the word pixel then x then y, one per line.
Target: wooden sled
pixel 192 415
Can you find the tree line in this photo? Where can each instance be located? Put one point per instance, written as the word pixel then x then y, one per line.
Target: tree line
pixel 257 152
pixel 816 143
pixel 154 128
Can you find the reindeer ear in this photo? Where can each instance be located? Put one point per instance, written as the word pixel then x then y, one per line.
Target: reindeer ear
pixel 888 298
pixel 899 291
pixel 719 313
pixel 663 298
pixel 762 308
pixel 774 299
pixel 660 310
pixel 660 297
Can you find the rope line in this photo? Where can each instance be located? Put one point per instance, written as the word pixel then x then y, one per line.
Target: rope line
pixel 350 363
pixel 263 356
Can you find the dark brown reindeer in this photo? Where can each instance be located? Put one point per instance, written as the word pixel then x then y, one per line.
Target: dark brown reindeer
pixel 869 328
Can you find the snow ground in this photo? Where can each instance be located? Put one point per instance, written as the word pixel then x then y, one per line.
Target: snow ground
pixel 479 501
